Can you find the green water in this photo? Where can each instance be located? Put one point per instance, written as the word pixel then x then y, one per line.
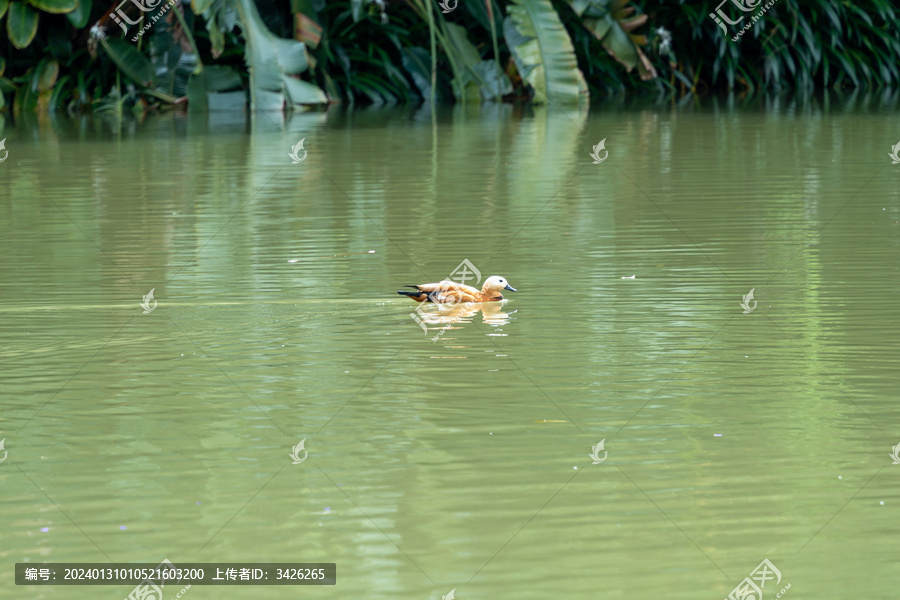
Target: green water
pixel 457 460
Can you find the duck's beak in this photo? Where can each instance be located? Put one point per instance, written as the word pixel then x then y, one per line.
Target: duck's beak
pixel 510 288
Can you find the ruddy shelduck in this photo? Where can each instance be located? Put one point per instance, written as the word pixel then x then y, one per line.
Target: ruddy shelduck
pixel 450 292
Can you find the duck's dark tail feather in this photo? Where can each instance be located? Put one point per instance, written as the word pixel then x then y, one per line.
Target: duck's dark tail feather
pixel 413 295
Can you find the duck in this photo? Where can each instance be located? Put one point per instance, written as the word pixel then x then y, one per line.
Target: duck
pixel 450 292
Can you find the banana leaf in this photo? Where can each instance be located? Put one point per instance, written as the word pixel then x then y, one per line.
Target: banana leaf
pixel 298 91
pixel 131 62
pixel 611 22
pixel 496 82
pixel 271 61
pixel 208 83
pixel 543 52
pixel 307 28
pixel 478 78
pixel 417 63
pixel 220 17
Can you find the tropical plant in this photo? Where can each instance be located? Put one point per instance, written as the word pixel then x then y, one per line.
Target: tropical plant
pixel 611 22
pixel 543 51
pixel 214 53
pixel 24 15
pixel 800 44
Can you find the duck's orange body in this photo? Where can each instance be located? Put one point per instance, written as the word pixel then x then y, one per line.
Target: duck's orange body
pixel 450 292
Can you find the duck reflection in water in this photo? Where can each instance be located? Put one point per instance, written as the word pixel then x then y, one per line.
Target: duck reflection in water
pixel 448 315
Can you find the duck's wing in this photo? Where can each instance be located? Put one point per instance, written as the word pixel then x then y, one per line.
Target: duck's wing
pixel 449 291
pixel 426 287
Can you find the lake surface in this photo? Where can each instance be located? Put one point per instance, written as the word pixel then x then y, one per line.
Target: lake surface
pixel 458 459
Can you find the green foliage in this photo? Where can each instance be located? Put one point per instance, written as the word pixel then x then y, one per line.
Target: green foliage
pixel 611 22
pixel 272 62
pixel 34 91
pixel 21 24
pixel 131 63
pixel 211 80
pixel 67 55
pixel 362 57
pixel 55 6
pixel 543 52
pixel 474 78
pixel 80 15
pixel 799 44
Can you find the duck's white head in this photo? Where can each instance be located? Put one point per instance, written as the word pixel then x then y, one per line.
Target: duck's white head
pixel 495 283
